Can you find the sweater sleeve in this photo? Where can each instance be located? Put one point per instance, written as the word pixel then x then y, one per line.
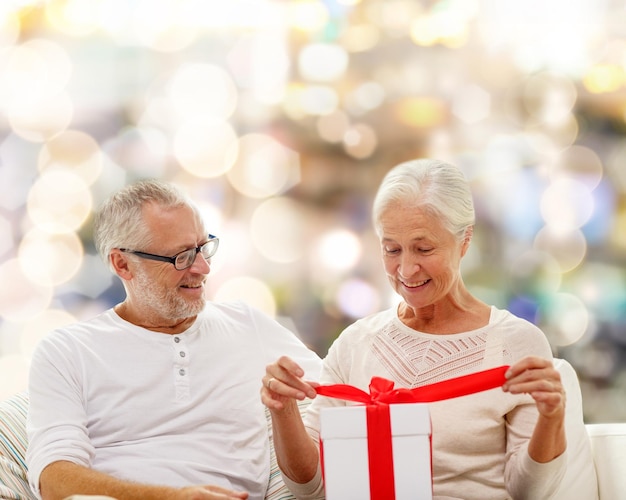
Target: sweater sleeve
pixel 531 480
pixel 313 490
pixel 525 478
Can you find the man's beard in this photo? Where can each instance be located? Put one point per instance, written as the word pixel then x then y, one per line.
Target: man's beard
pixel 166 301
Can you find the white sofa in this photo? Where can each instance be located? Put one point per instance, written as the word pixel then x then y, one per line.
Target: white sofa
pixel 604 445
pixel 608 443
pixel 597 462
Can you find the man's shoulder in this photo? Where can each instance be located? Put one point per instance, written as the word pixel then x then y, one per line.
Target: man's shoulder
pixel 106 317
pixel 103 321
pixel 235 310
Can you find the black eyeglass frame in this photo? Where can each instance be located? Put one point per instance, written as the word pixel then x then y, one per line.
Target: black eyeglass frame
pixel 213 240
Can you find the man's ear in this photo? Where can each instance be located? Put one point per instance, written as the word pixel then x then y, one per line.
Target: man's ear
pixel 119 261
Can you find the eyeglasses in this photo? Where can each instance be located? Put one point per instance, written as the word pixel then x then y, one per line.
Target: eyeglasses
pixel 184 259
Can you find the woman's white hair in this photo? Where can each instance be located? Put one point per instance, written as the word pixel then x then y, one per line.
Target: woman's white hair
pixel 119 221
pixel 434 185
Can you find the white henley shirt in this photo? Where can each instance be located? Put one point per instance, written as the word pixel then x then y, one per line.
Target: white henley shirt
pixel 154 408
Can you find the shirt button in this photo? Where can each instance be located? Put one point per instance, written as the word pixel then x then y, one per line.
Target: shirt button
pixel 181 371
pixel 182 354
pixel 177 339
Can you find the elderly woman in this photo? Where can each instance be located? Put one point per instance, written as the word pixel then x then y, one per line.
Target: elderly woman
pixel 496 444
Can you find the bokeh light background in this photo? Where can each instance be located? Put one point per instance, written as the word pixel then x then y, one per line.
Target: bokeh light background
pixel 281 117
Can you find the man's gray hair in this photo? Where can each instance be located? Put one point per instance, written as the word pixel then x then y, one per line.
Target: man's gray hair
pixel 119 221
pixel 434 185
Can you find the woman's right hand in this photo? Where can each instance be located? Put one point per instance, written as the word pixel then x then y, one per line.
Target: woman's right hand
pixel 283 382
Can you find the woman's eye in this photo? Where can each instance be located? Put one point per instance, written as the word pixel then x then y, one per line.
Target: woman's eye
pixel 391 251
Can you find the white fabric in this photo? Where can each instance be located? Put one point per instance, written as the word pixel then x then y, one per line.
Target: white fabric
pixel 156 408
pixel 479 441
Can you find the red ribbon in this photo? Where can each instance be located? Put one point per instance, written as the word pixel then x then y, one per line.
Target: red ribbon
pixel 382 393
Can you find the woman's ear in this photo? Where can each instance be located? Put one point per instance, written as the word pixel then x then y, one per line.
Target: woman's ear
pixel 469 232
pixel 119 261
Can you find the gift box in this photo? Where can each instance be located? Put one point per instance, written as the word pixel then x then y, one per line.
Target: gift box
pixel 382 449
pixel 348 474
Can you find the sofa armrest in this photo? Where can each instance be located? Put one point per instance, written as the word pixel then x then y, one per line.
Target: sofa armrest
pixel 608 443
pixel 13 474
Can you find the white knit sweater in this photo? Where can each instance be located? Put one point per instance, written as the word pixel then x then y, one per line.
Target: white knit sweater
pixel 480 441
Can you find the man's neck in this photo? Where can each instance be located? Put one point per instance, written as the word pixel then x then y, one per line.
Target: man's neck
pixel 176 326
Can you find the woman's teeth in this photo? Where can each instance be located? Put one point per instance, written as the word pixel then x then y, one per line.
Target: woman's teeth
pixel 415 285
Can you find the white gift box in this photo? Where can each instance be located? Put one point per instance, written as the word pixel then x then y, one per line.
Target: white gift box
pixel 343 432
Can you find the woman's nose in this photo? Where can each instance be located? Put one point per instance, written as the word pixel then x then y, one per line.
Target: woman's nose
pixel 409 265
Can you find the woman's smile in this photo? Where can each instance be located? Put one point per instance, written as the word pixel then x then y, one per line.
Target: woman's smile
pixel 417 284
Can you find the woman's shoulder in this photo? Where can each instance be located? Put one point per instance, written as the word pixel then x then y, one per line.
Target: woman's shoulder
pixel 520 334
pixel 368 326
pixel 504 318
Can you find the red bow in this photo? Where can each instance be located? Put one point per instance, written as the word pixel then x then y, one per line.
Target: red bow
pixel 382 391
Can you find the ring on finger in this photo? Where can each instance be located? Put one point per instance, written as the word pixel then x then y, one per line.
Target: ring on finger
pixel 269 383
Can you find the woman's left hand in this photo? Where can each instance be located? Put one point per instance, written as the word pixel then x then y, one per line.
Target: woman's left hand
pixel 538 377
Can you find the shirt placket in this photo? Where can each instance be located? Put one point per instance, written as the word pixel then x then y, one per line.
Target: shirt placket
pixel 181 367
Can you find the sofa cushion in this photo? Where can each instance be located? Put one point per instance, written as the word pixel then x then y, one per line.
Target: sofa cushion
pixel 13 479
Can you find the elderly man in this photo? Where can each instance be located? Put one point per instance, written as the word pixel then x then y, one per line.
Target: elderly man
pixel 157 397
